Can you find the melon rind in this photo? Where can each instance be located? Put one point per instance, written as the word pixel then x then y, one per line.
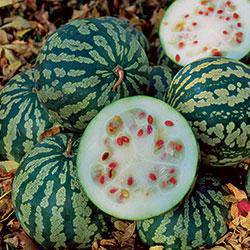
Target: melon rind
pixel 94 134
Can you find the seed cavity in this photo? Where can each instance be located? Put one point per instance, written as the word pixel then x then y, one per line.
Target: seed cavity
pixel 152 176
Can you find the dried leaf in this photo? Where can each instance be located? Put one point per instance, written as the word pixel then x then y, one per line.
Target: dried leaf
pixel 218 248
pixel 157 17
pixel 245 221
pixel 108 242
pixel 18 23
pixel 8 165
pixel 239 194
pixel 3 37
pixel 234 211
pixel 4 3
pixel 121 225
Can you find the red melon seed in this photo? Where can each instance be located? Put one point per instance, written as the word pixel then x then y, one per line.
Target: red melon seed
pixel 210 9
pixel 204 2
pixel 130 181
pixel 164 183
pixel 111 173
pixel 102 179
pixel 228 3
pixel 112 165
pixel 239 25
pixel 178 147
pixel 169 123
pixel 113 190
pixel 216 53
pixel 200 12
pixel 238 40
pixel 235 15
pixel 125 139
pixel 225 32
pixel 220 11
pixel 142 114
pixel 239 34
pixel 149 129
pixel 119 141
pixel 195 42
pixel 105 156
pixel 172 180
pixel 152 176
pixel 150 119
pixel 206 14
pixel 194 23
pixel 177 58
pixel 159 143
pixel 228 18
pixel 140 132
pixel 171 170
pixel 186 16
pixel 181 44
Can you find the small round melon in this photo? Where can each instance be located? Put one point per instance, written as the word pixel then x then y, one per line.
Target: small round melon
pixel 137 158
pixel 192 29
pixel 213 94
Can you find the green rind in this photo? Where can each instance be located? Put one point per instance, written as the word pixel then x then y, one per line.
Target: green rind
pixel 47 199
pixel 140 37
pixel 213 94
pixel 77 64
pixel 159 79
pixel 199 221
pixel 22 116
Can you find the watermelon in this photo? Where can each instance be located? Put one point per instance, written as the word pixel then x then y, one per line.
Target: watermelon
pixel 22 116
pixel 192 29
pixel 87 64
pixel 199 221
pixel 213 94
pixel 140 37
pixel 47 198
pixel 159 80
pixel 136 151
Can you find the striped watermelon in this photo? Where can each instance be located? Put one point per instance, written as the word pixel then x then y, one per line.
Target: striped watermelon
pixel 159 79
pixel 140 37
pixel 47 199
pixel 87 64
pixel 22 116
pixel 213 94
pixel 200 220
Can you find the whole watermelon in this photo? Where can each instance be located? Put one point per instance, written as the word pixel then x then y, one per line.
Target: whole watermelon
pixel 22 116
pixel 213 94
pixel 48 201
pixel 200 220
pixel 87 64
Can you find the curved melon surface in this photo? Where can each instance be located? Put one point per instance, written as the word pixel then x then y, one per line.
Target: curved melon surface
pixel 87 64
pixel 199 221
pixel 192 29
pixel 137 158
pixel 159 79
pixel 48 201
pixel 213 94
pixel 22 116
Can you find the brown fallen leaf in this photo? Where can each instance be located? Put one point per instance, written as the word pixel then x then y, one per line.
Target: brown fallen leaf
pixel 156 248
pixel 18 23
pixel 4 3
pixel 239 194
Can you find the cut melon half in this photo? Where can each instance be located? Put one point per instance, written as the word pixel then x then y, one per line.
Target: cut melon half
pixel 137 158
pixel 194 29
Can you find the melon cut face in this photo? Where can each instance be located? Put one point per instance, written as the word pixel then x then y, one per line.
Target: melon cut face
pixel 192 29
pixel 137 158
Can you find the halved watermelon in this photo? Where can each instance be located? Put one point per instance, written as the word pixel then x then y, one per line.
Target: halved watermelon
pixel 137 158
pixel 192 29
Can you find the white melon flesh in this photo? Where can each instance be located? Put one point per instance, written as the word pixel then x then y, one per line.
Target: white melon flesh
pixel 137 158
pixel 194 29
